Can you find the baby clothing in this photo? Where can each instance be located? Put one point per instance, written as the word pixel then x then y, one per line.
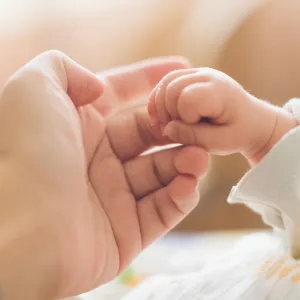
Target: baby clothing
pixel 272 188
pixel 260 266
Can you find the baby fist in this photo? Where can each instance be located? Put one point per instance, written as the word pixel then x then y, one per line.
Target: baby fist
pixel 205 107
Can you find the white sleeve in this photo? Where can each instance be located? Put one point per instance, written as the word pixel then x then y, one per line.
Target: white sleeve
pixel 272 188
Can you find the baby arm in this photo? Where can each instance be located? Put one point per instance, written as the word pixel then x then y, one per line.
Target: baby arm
pixel 208 108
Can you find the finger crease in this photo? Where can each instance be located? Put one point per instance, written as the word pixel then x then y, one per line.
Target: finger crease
pixel 195 138
pixel 175 204
pixel 145 137
pixel 156 171
pixel 98 145
pixel 127 178
pixel 159 214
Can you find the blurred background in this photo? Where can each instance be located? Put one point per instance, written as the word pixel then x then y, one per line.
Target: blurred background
pixel 254 41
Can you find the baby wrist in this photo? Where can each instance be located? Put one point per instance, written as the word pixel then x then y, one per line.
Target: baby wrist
pixel 283 123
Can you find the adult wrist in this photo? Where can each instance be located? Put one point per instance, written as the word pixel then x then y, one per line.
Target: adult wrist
pixel 27 260
pixel 25 266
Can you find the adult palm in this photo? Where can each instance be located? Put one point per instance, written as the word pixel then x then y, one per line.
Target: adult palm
pixel 96 200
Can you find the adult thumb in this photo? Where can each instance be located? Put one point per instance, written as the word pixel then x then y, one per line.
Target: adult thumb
pixel 81 85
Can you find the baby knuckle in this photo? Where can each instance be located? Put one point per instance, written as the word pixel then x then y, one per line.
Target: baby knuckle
pixel 215 77
pixel 186 95
pixel 170 76
pixel 207 74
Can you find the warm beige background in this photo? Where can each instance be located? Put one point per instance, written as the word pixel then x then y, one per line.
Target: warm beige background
pixel 255 41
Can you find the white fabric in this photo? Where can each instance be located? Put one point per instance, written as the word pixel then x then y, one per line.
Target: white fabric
pixel 256 268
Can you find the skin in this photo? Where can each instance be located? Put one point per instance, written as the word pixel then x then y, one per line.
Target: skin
pixel 78 201
pixel 207 108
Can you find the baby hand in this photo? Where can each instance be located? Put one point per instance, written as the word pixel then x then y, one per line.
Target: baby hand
pixel 206 107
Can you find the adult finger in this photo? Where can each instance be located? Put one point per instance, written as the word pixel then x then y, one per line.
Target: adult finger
pixel 56 70
pixel 138 79
pixel 160 168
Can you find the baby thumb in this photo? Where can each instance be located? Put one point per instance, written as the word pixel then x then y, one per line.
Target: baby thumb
pixel 202 134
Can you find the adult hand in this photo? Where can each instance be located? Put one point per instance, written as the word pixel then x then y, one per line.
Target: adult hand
pixel 78 201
